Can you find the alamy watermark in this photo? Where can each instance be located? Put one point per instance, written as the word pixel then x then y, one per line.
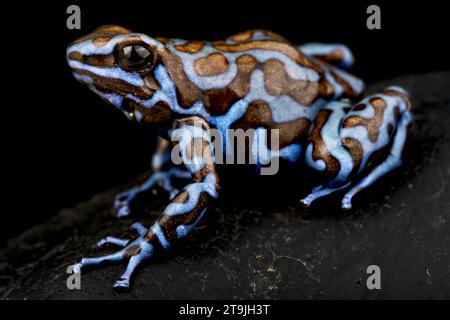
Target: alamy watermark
pixel 194 147
pixel 74 19
pixel 73 282
pixel 374 19
pixel 374 280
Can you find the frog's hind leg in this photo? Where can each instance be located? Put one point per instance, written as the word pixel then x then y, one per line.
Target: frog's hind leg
pixel 326 154
pixel 347 140
pixel 392 161
pixel 337 55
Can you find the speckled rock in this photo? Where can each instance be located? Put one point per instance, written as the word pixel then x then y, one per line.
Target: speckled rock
pixel 261 243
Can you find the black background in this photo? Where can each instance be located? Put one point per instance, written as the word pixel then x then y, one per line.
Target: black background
pixel 63 144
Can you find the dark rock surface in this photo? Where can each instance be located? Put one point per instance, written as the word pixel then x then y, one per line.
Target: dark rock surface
pixel 258 244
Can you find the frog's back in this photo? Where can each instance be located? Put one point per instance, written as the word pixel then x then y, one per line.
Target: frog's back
pixel 265 79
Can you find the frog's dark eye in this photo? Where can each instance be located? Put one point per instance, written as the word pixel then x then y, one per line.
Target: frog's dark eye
pixel 135 57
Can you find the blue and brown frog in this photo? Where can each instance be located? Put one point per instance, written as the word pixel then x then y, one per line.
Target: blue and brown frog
pixel 252 80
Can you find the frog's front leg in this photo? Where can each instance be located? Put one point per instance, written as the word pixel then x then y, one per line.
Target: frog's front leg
pixel 161 158
pixel 191 136
pixel 347 141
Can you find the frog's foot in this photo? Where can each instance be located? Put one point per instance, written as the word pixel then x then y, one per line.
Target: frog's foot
pixel 136 251
pixel 321 191
pixel 123 200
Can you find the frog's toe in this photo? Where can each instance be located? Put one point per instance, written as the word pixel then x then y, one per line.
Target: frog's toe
pixel 85 262
pixel 122 207
pixel 123 210
pixel 122 202
pixel 113 240
pixel 139 228
pixel 306 202
pixel 315 193
pixel 346 203
pixel 322 191
pixel 122 284
pixel 123 197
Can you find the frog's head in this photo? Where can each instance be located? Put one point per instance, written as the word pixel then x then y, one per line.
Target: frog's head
pixel 117 65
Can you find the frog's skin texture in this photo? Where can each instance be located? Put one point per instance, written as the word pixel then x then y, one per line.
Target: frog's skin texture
pixel 256 79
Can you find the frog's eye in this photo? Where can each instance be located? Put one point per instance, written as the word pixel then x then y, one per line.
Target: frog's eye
pixel 135 57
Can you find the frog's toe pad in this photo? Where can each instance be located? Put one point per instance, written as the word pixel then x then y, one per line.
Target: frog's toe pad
pixel 306 202
pixel 122 206
pixel 122 284
pixel 122 202
pixel 123 210
pixel 76 268
pixel 346 203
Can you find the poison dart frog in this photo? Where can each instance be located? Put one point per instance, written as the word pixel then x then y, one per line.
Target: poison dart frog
pixel 253 80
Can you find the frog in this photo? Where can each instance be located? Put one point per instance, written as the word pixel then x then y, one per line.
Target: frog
pixel 255 79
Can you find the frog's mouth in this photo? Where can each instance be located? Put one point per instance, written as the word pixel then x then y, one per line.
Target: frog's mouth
pixel 112 85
